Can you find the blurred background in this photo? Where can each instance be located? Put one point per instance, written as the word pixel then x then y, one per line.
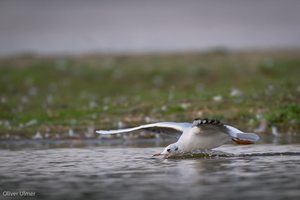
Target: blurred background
pixel 70 67
pixel 116 26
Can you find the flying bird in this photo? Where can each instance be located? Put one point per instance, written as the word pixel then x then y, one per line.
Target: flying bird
pixel 201 134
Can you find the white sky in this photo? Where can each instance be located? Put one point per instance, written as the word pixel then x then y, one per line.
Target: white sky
pixel 62 26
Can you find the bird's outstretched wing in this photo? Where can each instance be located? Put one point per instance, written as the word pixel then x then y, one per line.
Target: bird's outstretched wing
pixel 212 126
pixel 208 127
pixel 160 127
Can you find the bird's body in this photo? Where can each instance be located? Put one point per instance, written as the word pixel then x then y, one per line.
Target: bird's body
pixel 200 135
pixel 189 142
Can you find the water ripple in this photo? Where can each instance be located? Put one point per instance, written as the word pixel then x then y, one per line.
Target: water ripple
pixel 257 171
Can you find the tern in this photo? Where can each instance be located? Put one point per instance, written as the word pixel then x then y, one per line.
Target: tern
pixel 200 135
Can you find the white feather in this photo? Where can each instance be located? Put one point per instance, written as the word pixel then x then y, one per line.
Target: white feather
pixel 172 125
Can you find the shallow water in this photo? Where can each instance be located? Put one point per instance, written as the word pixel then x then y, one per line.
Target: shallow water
pixel 262 171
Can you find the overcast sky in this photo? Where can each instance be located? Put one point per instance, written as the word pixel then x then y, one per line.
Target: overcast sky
pixel 62 26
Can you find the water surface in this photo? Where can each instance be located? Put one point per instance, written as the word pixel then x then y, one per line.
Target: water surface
pixel 263 171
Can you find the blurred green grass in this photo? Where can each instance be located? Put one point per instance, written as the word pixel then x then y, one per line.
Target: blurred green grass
pixel 54 94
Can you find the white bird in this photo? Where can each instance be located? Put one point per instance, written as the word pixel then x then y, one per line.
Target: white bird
pixel 202 134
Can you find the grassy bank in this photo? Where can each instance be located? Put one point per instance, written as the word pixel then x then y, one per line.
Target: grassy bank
pixel 55 94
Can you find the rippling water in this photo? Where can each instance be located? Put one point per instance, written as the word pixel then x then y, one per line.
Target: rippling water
pixel 261 171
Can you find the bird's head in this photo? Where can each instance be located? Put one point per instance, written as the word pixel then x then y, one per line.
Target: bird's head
pixel 169 150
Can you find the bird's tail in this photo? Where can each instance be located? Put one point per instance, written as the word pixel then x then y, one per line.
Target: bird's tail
pixel 245 138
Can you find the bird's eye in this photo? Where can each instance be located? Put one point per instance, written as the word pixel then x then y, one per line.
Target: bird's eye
pixel 168 150
pixel 176 148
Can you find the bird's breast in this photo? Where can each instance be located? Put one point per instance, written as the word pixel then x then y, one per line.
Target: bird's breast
pixel 194 141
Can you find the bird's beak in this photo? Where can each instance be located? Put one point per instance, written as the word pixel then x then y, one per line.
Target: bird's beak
pixel 158 154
